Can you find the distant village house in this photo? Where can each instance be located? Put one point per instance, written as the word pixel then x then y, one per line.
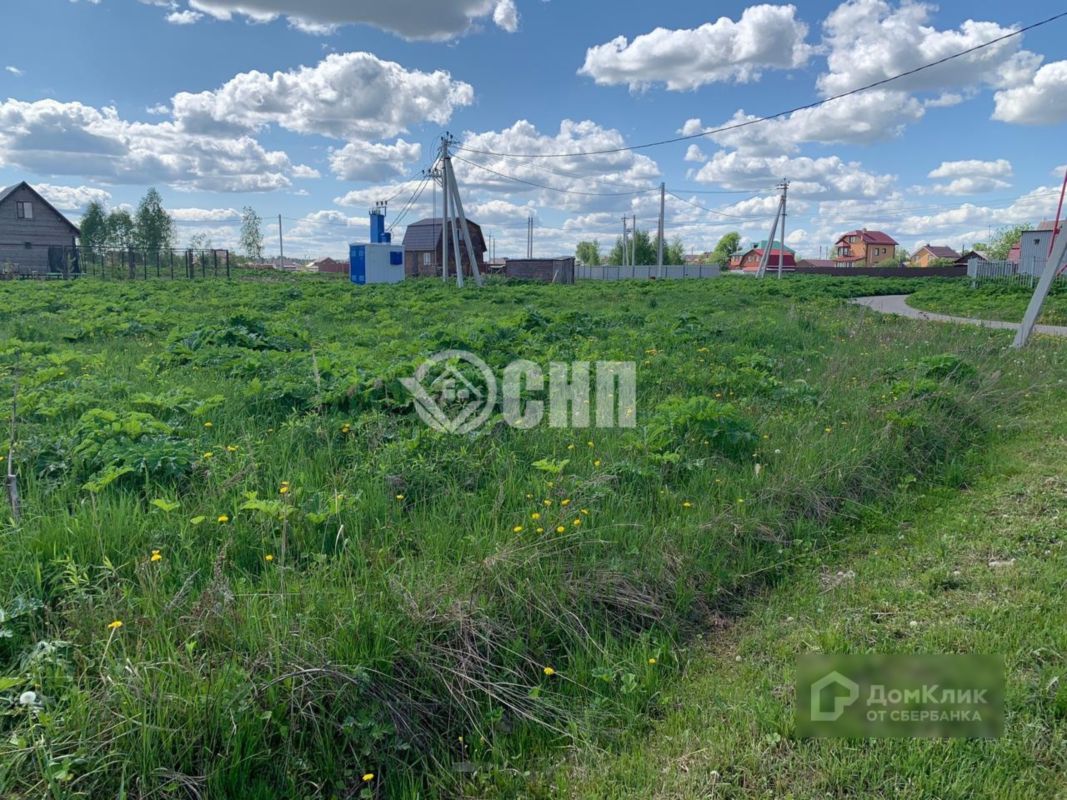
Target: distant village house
pixel 422 249
pixel 749 260
pixel 34 237
pixel 864 248
pixel 929 254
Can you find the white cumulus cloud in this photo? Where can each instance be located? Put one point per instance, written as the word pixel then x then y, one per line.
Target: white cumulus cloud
pixel 1042 102
pixel 765 37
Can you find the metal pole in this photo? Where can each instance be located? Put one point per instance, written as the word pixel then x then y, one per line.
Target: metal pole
pixel 662 208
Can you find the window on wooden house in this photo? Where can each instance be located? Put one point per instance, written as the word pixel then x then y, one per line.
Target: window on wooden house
pixel 24 209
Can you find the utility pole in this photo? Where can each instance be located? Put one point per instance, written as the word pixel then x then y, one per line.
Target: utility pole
pixel 781 252
pixel 459 223
pixel 633 243
pixel 444 213
pixel 625 242
pixel 281 245
pixel 766 257
pixel 662 209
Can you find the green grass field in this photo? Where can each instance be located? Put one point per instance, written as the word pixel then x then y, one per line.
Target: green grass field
pixel 992 300
pixel 321 597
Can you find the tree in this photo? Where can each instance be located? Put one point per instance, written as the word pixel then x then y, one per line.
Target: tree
pixel 726 247
pixel 674 253
pixel 588 253
pixel 121 230
pixel 251 234
pixel 200 241
pixel 646 252
pixel 94 227
pixel 154 228
pixel 1005 239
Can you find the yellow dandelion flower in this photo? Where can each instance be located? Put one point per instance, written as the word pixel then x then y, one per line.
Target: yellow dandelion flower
pixel 829 429
pixel 577 522
pixel 368 777
pixel 546 503
pixel 114 626
pixel 590 444
pixel 564 502
pixel 652 661
pixel 400 497
pixel 156 556
pixel 687 504
pixel 209 424
pixel 570 447
pixel 231 448
pixel 223 519
pixel 283 489
pixel 208 455
pixel 561 529
pixel 540 530
pixel 585 511
pixel 268 558
pixel 547 670
pixel 596 463
pixel 517 529
pixel 535 515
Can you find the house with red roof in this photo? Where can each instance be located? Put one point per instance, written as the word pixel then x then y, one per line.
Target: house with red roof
pixel 864 248
pixel 749 260
pixel 929 254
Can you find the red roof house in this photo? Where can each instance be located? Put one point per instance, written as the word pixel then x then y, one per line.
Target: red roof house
pixel 864 248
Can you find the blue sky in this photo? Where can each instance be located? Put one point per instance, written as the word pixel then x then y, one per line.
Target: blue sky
pixel 313 109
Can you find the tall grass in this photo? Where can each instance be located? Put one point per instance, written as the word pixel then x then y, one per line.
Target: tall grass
pixel 341 593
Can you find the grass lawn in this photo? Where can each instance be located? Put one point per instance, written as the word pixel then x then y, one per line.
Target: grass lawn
pixel 991 301
pixel 978 571
pixel 245 569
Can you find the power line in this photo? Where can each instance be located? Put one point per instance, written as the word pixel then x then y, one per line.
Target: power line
pixel 780 114
pixel 553 188
pixel 713 211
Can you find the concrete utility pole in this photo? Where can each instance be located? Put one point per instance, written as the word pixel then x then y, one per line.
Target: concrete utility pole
pixel 662 209
pixel 281 245
pixel 1057 250
pixel 625 243
pixel 781 252
pixel 444 215
pixel 633 243
pixel 458 221
pixel 766 257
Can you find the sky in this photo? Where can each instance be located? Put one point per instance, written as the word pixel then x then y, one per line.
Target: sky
pixel 315 109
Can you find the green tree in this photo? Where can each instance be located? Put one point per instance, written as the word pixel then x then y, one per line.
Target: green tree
pixel 726 247
pixel 121 230
pixel 251 234
pixel 1005 239
pixel 646 250
pixel 154 228
pixel 588 253
pixel 94 227
pixel 673 252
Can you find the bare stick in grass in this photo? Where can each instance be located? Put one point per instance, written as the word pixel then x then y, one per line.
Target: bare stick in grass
pixel 12 480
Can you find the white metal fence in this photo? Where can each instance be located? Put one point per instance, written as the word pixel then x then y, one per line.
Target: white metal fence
pixel 980 272
pixel 673 272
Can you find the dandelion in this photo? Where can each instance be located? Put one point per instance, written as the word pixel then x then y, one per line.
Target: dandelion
pixel 546 503
pixel 828 429
pixel 570 447
pixel 223 519
pixel 209 424
pixel 368 777
pixel 283 489
pixel 231 448
pixel 590 444
pixel 268 558
pixel 561 529
pixel 540 530
pixel 346 428
pixel 652 661
pixel 585 511
pixel 564 502
pixel 517 529
pixel 687 504
pixel 740 501
pixel 114 626
pixel 596 463
pixel 399 497
pixel 577 522
pixel 208 455
pixel 549 671
pixel 156 556
pixel 535 515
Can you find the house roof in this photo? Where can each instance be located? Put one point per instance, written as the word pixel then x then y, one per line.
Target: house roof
pixel 815 262
pixel 10 190
pixel 426 234
pixel 871 237
pixel 939 251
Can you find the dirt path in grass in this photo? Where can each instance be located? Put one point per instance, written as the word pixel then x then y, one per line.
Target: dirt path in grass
pixel 980 569
pixel 897 304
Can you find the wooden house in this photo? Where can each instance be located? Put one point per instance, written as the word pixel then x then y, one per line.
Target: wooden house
pixel 34 237
pixel 422 249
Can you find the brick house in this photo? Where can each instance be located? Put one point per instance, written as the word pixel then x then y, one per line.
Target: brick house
pixel 926 255
pixel 864 248
pixel 749 260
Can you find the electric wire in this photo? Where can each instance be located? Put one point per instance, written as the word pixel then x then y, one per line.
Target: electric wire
pixel 554 188
pixel 780 114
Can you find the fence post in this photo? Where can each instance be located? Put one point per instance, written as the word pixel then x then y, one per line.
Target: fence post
pixel 146 265
pixel 132 262
pixel 227 263
pixel 215 258
pixel 157 263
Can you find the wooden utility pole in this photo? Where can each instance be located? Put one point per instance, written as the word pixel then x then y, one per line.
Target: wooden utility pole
pixel 281 245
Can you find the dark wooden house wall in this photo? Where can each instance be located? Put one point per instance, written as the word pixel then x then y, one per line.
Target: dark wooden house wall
pixel 47 228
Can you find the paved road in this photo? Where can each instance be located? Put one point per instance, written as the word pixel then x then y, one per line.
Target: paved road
pixel 897 304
